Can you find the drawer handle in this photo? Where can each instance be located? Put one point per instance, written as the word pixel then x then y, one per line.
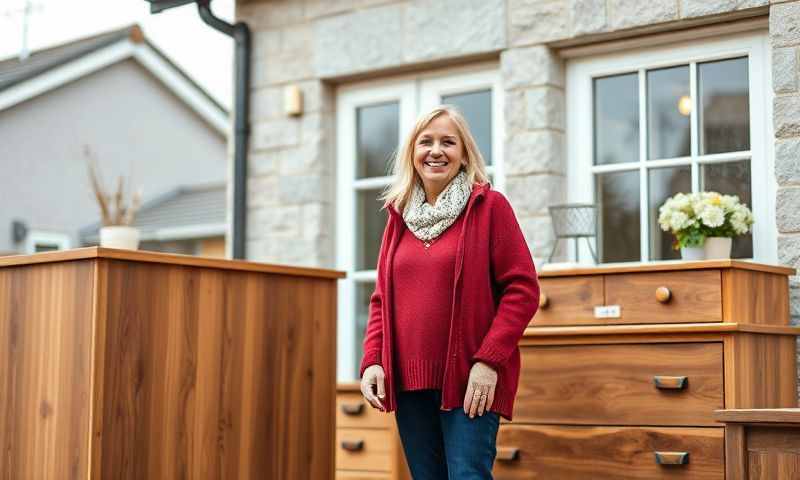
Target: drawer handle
pixel 670 383
pixel 663 294
pixel 353 445
pixel 672 458
pixel 544 300
pixel 353 408
pixel 507 454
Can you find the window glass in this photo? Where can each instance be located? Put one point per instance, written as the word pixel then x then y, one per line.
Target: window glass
pixel 477 110
pixel 668 112
pixel 370 222
pixel 731 178
pixel 662 184
pixel 725 113
pixel 616 119
pixel 618 196
pixel 377 128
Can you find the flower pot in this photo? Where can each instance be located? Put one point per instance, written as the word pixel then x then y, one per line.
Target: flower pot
pixel 718 247
pixel 119 236
pixel 693 253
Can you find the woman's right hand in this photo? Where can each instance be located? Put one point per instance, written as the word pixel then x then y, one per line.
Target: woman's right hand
pixel 373 375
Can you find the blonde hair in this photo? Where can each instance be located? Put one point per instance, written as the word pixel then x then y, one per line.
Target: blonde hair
pixel 405 176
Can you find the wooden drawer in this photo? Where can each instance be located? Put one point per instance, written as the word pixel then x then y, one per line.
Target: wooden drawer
pixel 569 301
pixel 364 449
pixel 694 296
pixel 353 411
pixel 615 384
pixel 597 453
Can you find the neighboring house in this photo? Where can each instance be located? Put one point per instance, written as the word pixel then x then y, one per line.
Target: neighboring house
pixel 141 117
pixel 618 102
pixel 187 220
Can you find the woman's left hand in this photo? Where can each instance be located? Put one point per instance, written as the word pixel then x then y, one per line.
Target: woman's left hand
pixel 480 389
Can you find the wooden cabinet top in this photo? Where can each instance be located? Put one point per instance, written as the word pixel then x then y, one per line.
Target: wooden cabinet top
pixel 759 415
pixel 165 258
pixel 667 265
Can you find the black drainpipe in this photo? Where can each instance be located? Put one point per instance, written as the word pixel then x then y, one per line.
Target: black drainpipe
pixel 240 33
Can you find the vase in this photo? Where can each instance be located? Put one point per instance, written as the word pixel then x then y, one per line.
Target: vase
pixel 693 253
pixel 119 236
pixel 718 247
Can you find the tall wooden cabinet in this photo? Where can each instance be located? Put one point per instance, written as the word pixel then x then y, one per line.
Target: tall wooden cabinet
pixel 623 368
pixel 122 364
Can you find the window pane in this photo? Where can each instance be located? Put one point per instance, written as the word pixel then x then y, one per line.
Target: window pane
pixel 725 116
pixel 370 222
pixel 668 111
pixel 616 119
pixel 662 184
pixel 618 195
pixel 731 178
pixel 377 130
pixel 363 293
pixel 477 109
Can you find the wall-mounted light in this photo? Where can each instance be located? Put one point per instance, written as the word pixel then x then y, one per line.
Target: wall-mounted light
pixel 685 105
pixel 19 230
pixel 293 100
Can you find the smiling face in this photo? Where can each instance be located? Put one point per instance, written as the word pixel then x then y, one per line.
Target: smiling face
pixel 438 155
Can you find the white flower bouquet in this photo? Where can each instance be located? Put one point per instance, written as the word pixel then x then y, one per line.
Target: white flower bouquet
pixel 694 217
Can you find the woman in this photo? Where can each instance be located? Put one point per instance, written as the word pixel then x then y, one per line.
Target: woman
pixel 456 288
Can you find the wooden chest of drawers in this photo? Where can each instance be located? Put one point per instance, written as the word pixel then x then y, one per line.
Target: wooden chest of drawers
pixel 367 443
pixel 623 369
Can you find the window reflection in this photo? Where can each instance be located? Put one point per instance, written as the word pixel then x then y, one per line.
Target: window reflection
pixel 725 113
pixel 377 130
pixel 662 184
pixel 616 119
pixel 668 113
pixel 618 195
pixel 370 221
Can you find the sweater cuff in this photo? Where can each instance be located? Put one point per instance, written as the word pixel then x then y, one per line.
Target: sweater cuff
pixel 490 356
pixel 373 357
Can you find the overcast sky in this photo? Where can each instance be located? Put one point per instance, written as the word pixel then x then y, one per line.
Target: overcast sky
pixel 204 53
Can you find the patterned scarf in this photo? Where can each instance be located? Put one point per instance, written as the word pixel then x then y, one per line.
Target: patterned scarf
pixel 427 222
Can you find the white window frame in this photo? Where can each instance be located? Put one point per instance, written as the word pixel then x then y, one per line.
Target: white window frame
pixel 415 93
pixel 581 170
pixel 37 237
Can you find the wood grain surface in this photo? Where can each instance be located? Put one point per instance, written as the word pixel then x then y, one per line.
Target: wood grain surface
pixel 696 296
pixel 769 307
pixel 571 301
pixel 759 371
pixel 45 380
pixel 214 374
pixel 608 453
pixel 613 384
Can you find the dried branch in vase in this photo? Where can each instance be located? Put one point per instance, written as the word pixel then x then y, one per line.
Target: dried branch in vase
pixel 122 213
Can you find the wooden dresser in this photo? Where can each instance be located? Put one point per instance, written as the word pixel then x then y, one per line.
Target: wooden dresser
pixel 367 443
pixel 623 368
pixel 761 444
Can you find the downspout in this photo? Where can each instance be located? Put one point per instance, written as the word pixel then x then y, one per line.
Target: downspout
pixel 240 33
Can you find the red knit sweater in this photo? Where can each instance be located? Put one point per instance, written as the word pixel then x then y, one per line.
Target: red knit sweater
pixel 495 295
pixel 422 279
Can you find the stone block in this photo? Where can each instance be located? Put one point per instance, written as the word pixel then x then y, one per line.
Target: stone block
pixel 530 195
pixel 262 191
pixel 588 16
pixel 531 66
pixel 634 13
pixel 263 163
pixel 787 161
pixel 788 209
pixel 282 132
pixel 303 189
pixel 535 152
pixel 545 108
pixel 515 112
pixel 275 221
pixel 786 115
pixel 274 13
pixel 784 69
pixel 357 41
pixel 537 21
pixel 699 8
pixel 452 28
pixel 784 24
pixel 538 233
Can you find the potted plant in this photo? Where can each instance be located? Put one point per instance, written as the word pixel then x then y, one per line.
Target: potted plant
pixel 116 214
pixel 704 223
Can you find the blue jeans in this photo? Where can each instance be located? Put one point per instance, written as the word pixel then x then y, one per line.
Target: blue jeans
pixel 442 445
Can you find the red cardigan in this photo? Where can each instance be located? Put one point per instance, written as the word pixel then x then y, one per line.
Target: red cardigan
pixel 500 292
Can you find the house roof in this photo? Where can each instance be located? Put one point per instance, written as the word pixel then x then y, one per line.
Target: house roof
pixel 52 67
pixel 184 213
